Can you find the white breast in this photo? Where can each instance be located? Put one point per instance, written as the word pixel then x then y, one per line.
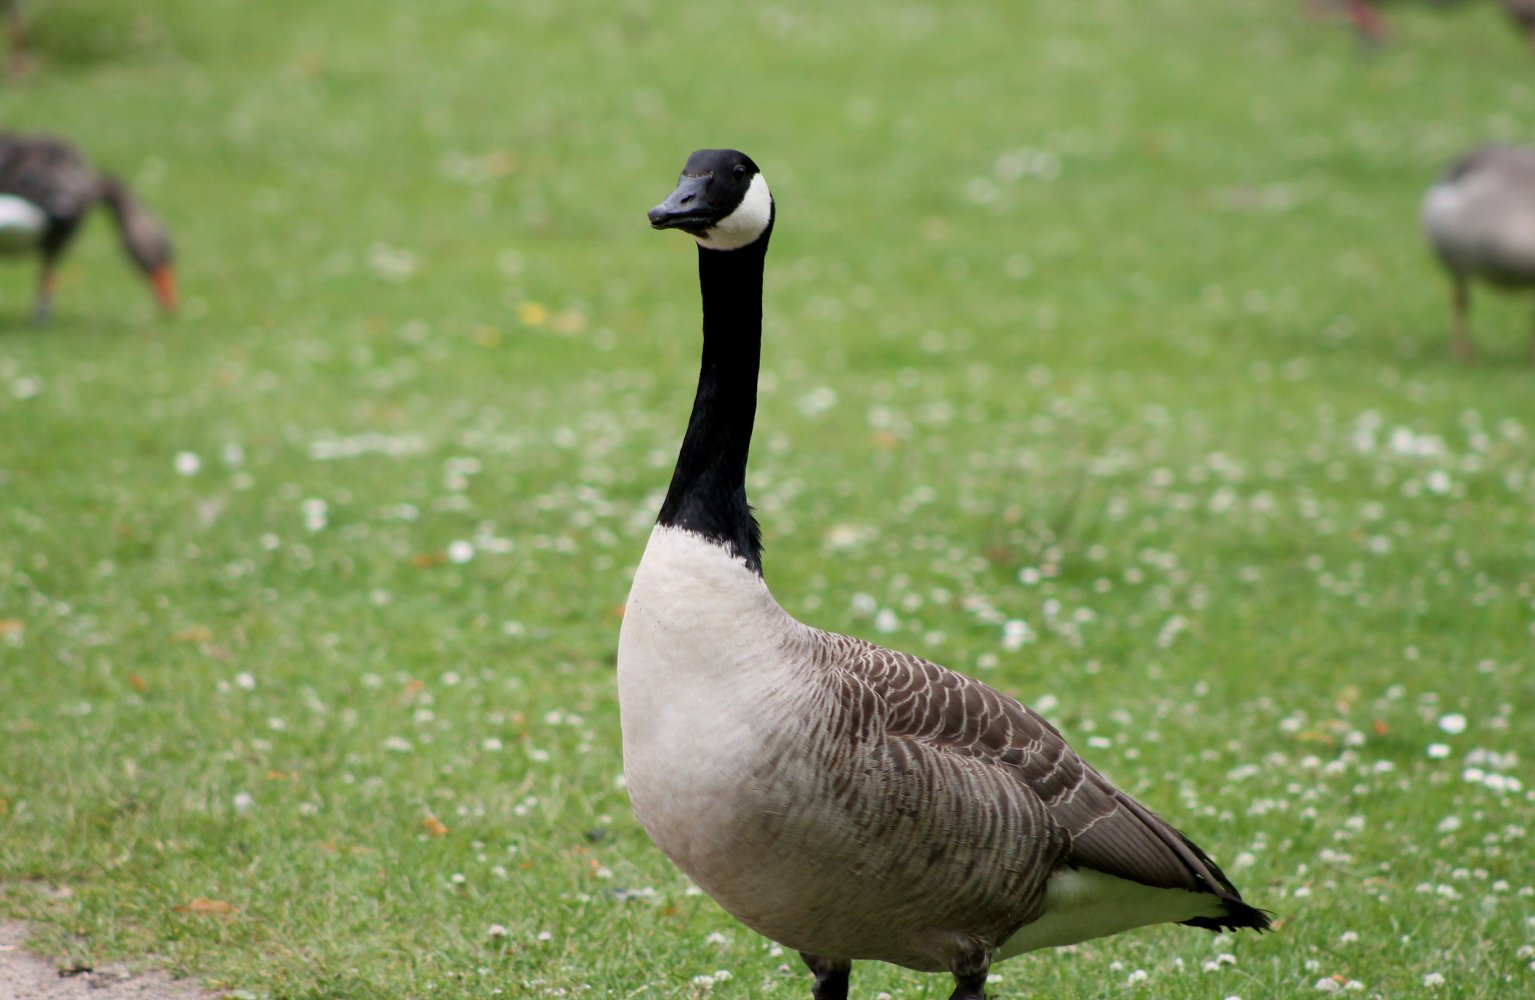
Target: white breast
pixel 21 224
pixel 695 672
pixel 1481 225
pixel 718 708
pixel 1442 206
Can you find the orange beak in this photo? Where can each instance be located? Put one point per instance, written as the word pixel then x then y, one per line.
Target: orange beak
pixel 164 280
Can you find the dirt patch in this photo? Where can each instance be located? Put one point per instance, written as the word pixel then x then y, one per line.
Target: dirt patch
pixel 25 976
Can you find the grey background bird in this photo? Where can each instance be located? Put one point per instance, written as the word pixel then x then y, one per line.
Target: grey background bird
pixel 47 189
pixel 1480 220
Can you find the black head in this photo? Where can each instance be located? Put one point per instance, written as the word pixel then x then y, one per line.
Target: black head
pixel 721 200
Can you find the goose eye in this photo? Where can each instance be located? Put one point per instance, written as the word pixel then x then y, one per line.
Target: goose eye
pixel 740 171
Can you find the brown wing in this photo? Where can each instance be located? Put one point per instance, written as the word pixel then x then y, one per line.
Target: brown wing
pixel 1110 832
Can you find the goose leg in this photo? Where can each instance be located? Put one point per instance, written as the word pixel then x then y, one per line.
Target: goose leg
pixel 970 976
pixel 830 976
pixel 45 286
pixel 1464 348
pixel 18 62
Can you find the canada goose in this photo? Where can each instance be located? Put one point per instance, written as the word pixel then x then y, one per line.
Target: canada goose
pixel 1480 221
pixel 1522 12
pixel 848 801
pixel 46 191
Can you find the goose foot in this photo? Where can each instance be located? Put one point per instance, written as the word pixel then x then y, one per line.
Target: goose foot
pixel 970 976
pixel 830 976
pixel 969 987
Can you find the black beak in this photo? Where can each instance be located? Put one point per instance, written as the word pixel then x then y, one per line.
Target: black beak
pixel 685 208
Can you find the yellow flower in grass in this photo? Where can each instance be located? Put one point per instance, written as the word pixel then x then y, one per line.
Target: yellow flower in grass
pixel 533 313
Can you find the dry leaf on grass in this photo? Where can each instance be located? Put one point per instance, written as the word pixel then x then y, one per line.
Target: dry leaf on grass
pixel 204 907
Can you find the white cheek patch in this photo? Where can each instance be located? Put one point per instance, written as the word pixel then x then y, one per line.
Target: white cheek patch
pixel 745 224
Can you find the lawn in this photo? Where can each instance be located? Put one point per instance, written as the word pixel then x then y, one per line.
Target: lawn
pixel 1103 360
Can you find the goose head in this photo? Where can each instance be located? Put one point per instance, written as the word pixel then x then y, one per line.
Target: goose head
pixel 149 245
pixel 721 201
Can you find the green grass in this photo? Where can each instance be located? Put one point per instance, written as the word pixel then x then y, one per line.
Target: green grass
pixel 1110 318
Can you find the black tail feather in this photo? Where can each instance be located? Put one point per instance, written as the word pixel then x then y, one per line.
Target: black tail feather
pixel 1238 916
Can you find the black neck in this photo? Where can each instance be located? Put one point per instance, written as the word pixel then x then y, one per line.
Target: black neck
pixel 135 226
pixel 115 193
pixel 708 490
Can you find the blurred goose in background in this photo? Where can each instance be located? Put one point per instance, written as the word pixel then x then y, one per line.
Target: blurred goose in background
pixel 1369 23
pixel 846 800
pixel 1480 221
pixel 47 189
pixel 1367 20
pixel 1523 14
pixel 18 62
